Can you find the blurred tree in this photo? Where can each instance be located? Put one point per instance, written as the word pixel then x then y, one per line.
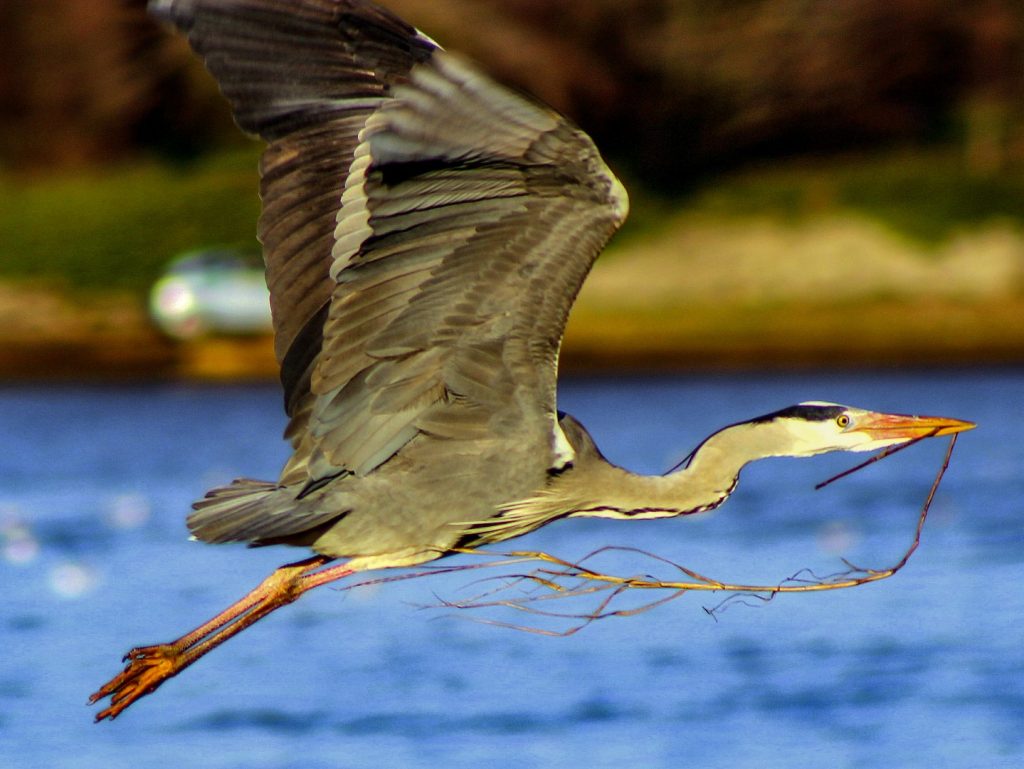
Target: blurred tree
pixel 88 81
pixel 676 88
pixel 993 104
pixel 669 88
pixel 70 84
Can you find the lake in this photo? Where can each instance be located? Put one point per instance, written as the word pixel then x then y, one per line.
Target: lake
pixel 925 669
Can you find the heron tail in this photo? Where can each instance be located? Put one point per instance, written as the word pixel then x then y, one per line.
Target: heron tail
pixel 259 513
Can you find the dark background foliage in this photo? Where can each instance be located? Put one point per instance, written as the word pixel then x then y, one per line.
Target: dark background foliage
pixel 670 89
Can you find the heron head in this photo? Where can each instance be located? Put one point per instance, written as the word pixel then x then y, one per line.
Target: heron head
pixel 815 427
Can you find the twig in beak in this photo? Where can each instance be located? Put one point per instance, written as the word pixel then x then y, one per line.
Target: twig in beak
pixel 886 452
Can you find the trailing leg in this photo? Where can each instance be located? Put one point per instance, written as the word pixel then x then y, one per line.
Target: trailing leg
pixel 149 666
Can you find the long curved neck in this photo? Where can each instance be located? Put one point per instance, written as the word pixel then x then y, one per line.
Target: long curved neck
pixel 593 487
pixel 602 489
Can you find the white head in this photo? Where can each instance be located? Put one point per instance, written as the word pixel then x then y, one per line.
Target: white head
pixel 815 427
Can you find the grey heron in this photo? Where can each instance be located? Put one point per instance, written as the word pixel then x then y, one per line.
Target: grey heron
pixel 425 233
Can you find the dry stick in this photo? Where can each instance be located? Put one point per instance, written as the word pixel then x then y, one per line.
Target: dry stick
pixel 585 577
pixel 582 575
pixel 871 575
pixel 888 452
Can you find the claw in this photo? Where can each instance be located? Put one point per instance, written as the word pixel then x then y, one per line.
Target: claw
pixel 148 667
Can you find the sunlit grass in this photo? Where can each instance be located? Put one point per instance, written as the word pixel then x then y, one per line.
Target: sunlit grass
pixel 925 196
pixel 117 228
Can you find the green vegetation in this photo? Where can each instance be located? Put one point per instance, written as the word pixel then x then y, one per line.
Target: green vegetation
pixel 923 196
pixel 117 229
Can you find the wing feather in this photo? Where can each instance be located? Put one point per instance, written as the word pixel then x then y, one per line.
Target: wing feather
pixel 425 230
pixel 304 76
pixel 504 206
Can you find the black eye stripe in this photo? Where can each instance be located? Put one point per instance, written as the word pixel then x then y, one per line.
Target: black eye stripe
pixel 811 413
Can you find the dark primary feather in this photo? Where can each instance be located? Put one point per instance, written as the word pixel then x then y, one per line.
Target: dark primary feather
pixel 303 76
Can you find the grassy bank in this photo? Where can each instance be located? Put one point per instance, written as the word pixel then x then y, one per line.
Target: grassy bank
pixel 925 196
pixel 116 229
pixel 897 259
pixel 923 201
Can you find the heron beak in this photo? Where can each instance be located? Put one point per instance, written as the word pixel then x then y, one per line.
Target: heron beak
pixel 901 427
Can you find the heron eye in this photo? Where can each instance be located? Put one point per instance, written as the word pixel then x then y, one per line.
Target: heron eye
pixel 843 421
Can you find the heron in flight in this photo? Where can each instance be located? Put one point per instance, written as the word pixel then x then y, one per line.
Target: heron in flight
pixel 425 233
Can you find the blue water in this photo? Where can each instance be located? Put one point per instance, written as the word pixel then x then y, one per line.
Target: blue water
pixel 925 669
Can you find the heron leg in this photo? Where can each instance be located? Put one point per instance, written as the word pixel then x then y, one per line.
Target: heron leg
pixel 149 666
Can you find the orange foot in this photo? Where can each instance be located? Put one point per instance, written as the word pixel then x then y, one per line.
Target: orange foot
pixel 150 666
pixel 147 668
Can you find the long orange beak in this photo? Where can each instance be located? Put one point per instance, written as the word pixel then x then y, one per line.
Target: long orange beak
pixel 904 427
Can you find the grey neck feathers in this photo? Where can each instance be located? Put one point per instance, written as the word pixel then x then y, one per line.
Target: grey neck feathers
pixel 594 487
pixel 702 484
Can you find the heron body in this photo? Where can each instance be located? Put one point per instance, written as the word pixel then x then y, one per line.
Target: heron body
pixel 425 233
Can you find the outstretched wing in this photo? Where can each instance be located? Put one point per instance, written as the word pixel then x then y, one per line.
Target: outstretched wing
pixel 425 230
pixel 303 76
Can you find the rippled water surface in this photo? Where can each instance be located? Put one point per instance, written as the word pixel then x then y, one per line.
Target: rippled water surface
pixel 925 669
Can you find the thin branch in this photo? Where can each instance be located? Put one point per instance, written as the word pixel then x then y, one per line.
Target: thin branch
pixel 558 578
pixel 887 452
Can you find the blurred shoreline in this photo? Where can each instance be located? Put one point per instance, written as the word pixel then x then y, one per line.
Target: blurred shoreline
pixel 813 184
pixel 698 292
pixel 110 339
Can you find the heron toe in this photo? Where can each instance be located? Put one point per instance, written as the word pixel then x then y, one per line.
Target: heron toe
pixel 148 667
